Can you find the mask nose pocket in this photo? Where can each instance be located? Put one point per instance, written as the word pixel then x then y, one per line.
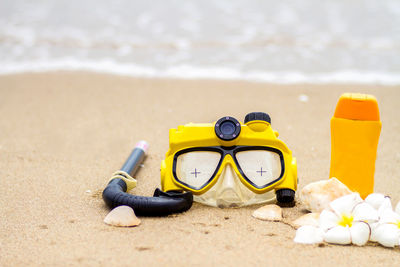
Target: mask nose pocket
pixel 228 191
pixel 229 178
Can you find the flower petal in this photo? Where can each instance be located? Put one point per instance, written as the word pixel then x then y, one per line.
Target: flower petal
pixel 328 220
pixel 397 209
pixel 308 235
pixel 345 204
pixel 374 227
pixel 375 200
pixel 365 212
pixel 389 216
pixel 388 235
pixel 386 205
pixel 338 235
pixel 360 233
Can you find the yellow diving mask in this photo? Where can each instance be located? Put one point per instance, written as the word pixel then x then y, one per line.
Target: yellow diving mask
pixel 230 164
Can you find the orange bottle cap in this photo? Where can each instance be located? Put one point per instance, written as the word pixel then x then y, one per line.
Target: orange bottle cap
pixel 357 107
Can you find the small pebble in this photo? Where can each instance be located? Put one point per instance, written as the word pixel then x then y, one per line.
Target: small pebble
pixel 303 98
pixel 316 196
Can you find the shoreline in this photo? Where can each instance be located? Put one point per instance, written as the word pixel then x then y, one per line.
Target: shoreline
pixel 184 72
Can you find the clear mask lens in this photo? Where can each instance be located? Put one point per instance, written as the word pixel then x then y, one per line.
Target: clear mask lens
pixel 260 166
pixel 230 192
pixel 196 168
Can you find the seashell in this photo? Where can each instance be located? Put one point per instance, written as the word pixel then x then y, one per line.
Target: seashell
pixel 122 216
pixel 270 212
pixel 316 196
pixel 307 219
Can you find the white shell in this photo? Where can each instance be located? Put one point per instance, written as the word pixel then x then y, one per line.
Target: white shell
pixel 308 234
pixel 360 233
pixel 306 219
pixel 316 196
pixel 270 212
pixel 338 235
pixel 375 200
pixel 122 216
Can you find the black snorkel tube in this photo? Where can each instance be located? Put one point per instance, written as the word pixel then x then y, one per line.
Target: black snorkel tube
pixel 161 204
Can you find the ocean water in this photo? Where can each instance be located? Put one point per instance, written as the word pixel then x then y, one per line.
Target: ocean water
pixel 341 41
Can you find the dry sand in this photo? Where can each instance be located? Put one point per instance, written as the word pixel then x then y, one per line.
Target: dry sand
pixel 62 134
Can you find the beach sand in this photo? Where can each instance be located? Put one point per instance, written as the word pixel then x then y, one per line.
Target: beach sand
pixel 62 134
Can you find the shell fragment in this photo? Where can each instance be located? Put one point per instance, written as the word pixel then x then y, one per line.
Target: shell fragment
pixel 306 219
pixel 122 216
pixel 268 213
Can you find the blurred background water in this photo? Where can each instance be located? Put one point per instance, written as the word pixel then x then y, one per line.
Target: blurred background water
pixel 273 41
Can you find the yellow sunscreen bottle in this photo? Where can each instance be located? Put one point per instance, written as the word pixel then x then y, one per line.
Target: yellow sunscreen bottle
pixel 355 130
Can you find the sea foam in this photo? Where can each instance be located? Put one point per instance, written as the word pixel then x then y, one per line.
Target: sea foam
pixel 195 72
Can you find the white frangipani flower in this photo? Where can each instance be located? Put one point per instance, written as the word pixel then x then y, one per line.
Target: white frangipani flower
pixel 347 221
pixel 381 203
pixel 397 209
pixel 387 231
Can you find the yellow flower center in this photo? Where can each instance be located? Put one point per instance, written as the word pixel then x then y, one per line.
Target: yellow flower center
pixel 346 220
pixel 397 224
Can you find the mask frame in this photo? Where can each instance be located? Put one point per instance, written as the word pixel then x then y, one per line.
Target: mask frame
pixel 256 131
pixel 224 160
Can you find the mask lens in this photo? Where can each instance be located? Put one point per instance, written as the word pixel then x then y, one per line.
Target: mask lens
pixel 261 167
pixel 196 168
